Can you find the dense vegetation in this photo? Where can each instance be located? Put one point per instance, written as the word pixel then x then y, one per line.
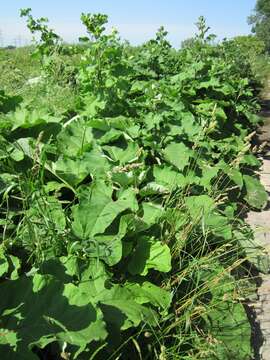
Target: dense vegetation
pixel 122 203
pixel 260 21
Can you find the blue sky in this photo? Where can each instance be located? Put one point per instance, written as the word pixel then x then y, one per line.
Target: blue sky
pixel 136 20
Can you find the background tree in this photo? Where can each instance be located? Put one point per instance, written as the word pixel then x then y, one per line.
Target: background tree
pixel 260 21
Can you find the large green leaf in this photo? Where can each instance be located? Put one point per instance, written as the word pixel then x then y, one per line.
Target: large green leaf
pixel 123 306
pixel 75 139
pixel 110 136
pixel 124 155
pixel 41 310
pixel 200 206
pixel 152 213
pixel 189 125
pixel 165 175
pixel 152 120
pixel 127 313
pixel 218 225
pixel 178 155
pixel 107 247
pixel 254 250
pixel 208 174
pixel 229 324
pixel 75 170
pixel 256 196
pixel 24 118
pixel 95 213
pixel 150 254
pixel 148 292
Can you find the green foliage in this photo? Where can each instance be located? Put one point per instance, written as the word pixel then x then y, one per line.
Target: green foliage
pixel 56 57
pixel 249 45
pixel 16 67
pixel 256 196
pixel 8 103
pixel 227 321
pixel 202 36
pixel 62 310
pixel 120 223
pixel 94 24
pixel 49 40
pixel 260 22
